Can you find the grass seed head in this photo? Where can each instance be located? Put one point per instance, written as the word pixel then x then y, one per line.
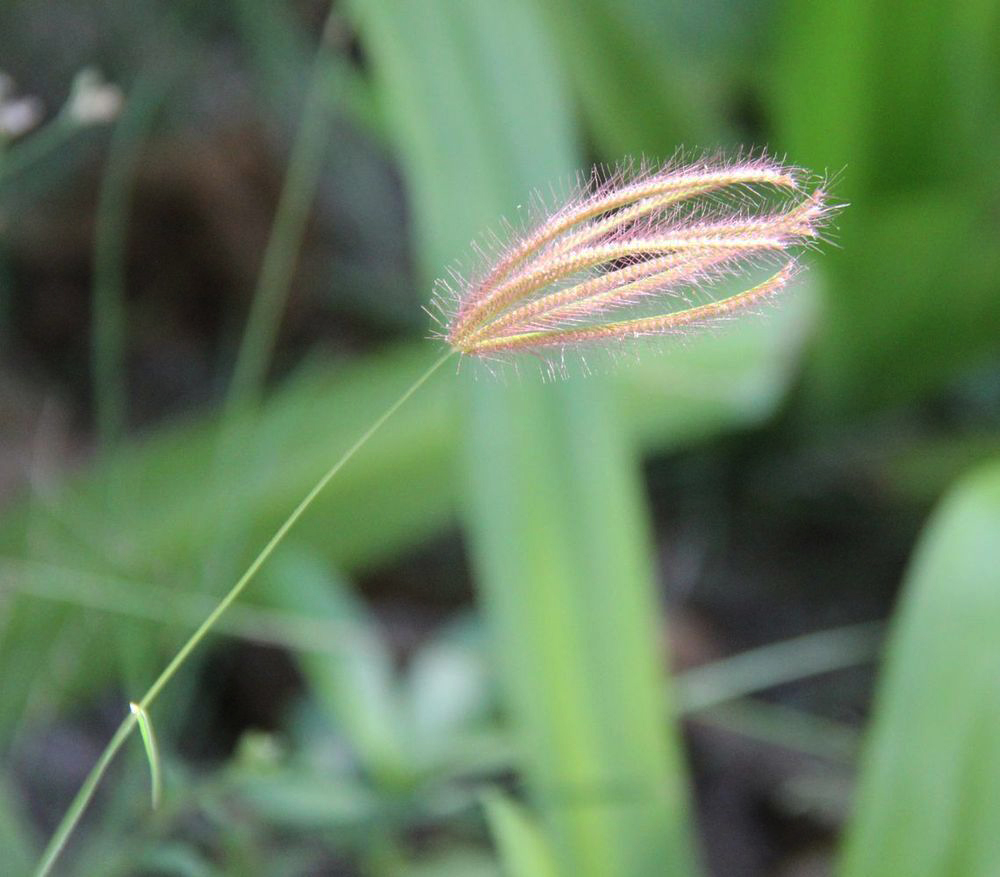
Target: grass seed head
pixel 635 253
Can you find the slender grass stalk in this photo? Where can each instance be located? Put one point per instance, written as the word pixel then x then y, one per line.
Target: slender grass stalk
pixel 83 797
pixel 794 729
pixel 811 654
pixel 275 278
pixel 6 294
pixel 107 340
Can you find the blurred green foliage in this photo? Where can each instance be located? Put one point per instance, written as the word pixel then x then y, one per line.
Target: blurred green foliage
pixel 901 103
pixel 929 803
pixel 473 104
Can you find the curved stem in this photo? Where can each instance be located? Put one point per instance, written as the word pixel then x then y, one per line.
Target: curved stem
pixel 83 797
pixel 811 654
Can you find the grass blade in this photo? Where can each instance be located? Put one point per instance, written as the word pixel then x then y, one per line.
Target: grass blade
pixel 111 226
pixel 298 192
pixel 558 535
pixel 769 666
pixel 17 838
pixel 523 850
pixel 152 752
pixel 929 797
pixel 553 507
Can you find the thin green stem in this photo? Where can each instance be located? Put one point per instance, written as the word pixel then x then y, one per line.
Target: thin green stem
pixel 274 281
pixel 6 296
pixel 83 797
pixel 107 342
pixel 778 725
pixel 776 664
pixel 275 278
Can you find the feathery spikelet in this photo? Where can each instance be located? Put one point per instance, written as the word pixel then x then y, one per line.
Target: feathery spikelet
pixel 591 270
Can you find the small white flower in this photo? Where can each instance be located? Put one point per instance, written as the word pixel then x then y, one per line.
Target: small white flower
pixel 18 116
pixel 92 99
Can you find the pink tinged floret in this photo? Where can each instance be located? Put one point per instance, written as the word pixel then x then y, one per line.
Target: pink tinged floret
pixel 655 237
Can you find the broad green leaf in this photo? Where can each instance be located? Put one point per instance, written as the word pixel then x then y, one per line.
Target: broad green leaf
pixel 448 690
pixel 636 97
pixel 821 83
pixel 929 797
pixel 913 299
pixel 523 850
pixel 168 508
pixel 480 116
pixel 17 841
pixel 888 89
pixel 395 493
pixel 898 102
pixel 559 535
pixel 280 52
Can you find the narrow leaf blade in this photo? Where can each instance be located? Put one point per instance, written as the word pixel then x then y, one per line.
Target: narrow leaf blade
pixel 929 800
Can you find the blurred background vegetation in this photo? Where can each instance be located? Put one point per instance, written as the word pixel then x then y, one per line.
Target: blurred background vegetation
pixel 686 615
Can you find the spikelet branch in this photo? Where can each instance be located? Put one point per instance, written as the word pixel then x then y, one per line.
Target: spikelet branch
pixel 625 329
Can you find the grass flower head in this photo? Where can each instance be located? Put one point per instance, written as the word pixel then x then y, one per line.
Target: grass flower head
pixel 636 253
